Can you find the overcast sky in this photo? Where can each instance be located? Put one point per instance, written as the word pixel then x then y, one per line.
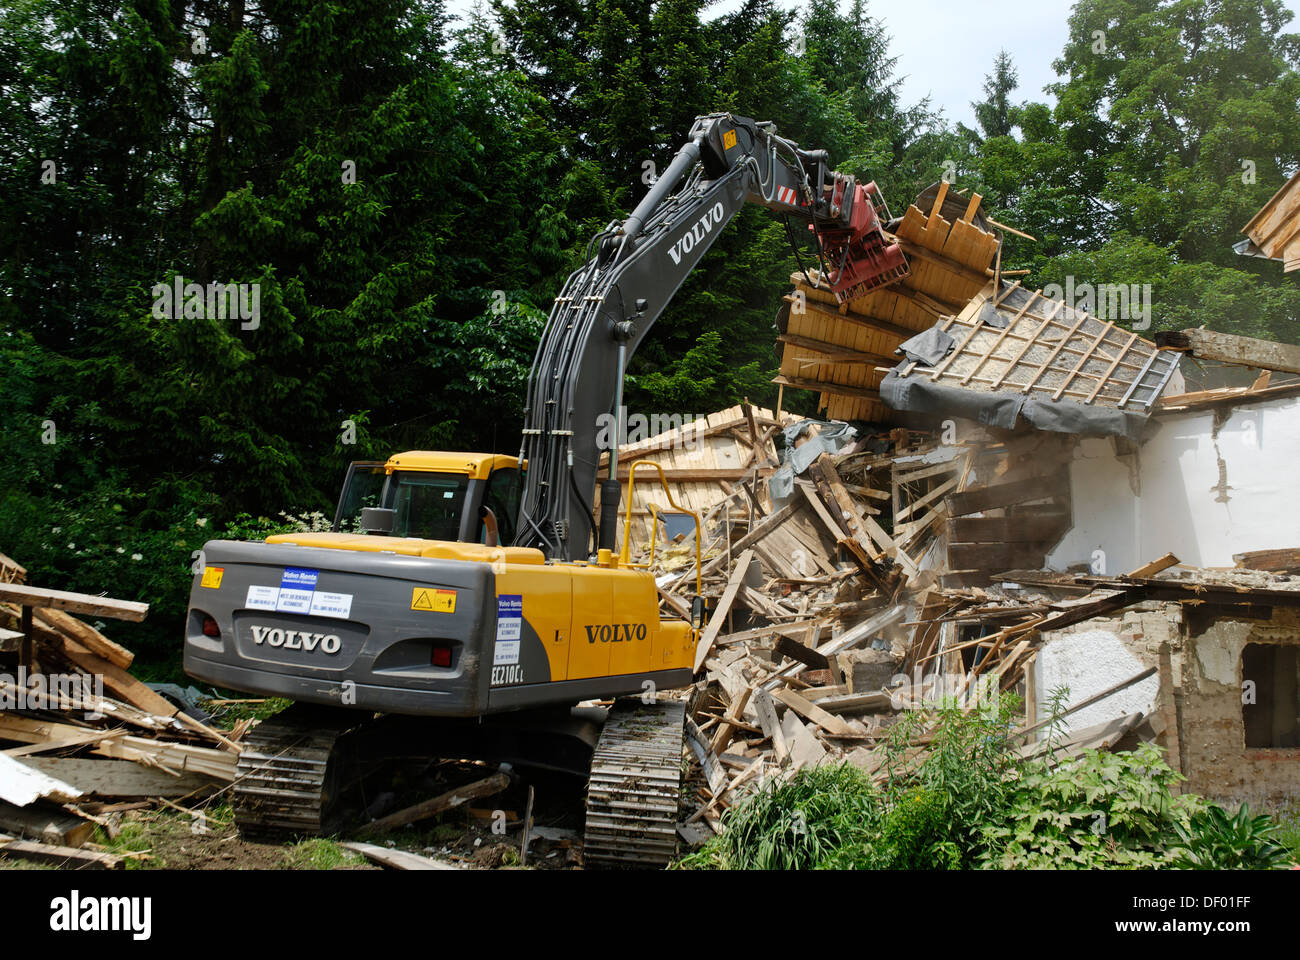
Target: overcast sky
pixel 945 47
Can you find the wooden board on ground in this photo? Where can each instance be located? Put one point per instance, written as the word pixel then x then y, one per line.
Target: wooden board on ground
pixel 118 778
pixel 45 822
pixel 441 803
pixel 818 715
pixel 397 859
pixel 67 858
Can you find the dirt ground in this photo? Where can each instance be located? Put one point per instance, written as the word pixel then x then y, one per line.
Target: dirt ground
pixel 482 835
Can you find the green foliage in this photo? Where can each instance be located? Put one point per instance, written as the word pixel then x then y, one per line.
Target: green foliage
pixel 1099 810
pixel 971 803
pixel 1287 816
pixel 1174 123
pixel 1216 840
pixel 822 818
pixel 913 834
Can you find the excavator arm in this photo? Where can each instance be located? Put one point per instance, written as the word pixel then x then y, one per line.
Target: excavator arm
pixel 632 271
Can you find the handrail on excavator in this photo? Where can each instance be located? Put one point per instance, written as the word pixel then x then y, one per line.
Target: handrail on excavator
pixel 625 554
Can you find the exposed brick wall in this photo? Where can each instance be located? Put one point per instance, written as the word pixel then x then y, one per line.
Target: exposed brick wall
pixel 1215 758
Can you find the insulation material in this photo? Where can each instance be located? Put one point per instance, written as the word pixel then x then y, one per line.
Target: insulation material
pixel 21 784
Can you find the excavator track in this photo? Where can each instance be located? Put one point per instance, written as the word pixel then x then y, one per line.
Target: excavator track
pixel 289 775
pixel 633 791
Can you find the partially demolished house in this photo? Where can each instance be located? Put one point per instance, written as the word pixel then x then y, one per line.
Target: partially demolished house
pixel 1007 492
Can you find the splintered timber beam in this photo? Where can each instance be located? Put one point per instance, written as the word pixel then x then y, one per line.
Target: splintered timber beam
pixel 73 602
pixel 441 803
pixel 1229 348
pixel 719 617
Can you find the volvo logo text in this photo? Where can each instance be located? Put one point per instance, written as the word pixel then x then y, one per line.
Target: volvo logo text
pixel 686 243
pixel 297 639
pixel 615 632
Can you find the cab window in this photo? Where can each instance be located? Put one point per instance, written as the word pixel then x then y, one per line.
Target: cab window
pixel 502 496
pixel 363 487
pixel 428 505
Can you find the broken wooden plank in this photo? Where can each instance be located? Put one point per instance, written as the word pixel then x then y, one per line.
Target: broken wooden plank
pixel 1101 736
pixel 828 722
pixel 719 616
pixel 397 859
pixel 119 778
pixel 795 650
pixel 1023 528
pixel 46 822
pixel 1271 561
pixel 1232 348
pixel 86 635
pixel 869 702
pixel 69 858
pixel 21 784
pixel 767 719
pixel 1155 566
pixel 729 722
pixel 441 803
pixel 995 556
pixel 118 681
pixel 73 602
pixel 979 499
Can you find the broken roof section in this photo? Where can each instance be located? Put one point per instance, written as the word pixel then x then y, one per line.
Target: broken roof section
pixel 973 345
pixel 1019 354
pixel 1274 232
pixel 843 350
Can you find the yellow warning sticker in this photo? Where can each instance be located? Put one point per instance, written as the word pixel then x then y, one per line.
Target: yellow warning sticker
pixel 437 601
pixel 728 139
pixel 212 577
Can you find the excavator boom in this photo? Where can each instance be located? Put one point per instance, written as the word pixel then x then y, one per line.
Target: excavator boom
pixel 633 270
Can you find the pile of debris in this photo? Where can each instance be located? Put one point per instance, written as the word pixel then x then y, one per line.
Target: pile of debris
pixel 87 740
pixel 828 605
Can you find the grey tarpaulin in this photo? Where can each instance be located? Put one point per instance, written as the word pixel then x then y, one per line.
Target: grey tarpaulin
pixel 990 316
pixel 834 437
pixel 928 347
pixel 1001 408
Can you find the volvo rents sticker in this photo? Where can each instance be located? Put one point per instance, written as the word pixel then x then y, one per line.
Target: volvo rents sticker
pixel 296 587
pixel 510 619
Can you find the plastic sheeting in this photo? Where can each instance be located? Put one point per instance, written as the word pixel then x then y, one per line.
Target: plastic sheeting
pixel 834 437
pixel 928 347
pixel 1002 408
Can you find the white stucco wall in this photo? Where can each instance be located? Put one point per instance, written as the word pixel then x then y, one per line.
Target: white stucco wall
pixel 1088 662
pixel 1170 496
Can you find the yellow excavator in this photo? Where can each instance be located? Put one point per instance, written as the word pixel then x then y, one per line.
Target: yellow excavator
pixel 464 603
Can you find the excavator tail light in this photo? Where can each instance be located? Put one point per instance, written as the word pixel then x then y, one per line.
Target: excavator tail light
pixel 210 627
pixel 441 655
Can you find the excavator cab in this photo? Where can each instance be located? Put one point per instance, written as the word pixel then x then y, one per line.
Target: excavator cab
pixel 466 497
